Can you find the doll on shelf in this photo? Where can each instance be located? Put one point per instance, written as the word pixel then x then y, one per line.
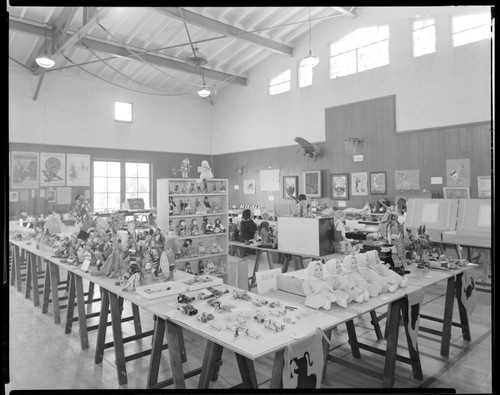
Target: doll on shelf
pixel 218 227
pixel 185 167
pixel 194 229
pixel 181 228
pixel 201 267
pixel 187 249
pixel 319 293
pixel 171 205
pixel 206 203
pixel 350 269
pixel 373 261
pixel 337 280
pixel 210 267
pixel 188 268
pixel 371 276
pixel 205 174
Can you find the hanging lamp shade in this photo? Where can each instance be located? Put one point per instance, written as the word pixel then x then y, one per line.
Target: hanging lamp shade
pixel 310 60
pixel 45 61
pixel 204 92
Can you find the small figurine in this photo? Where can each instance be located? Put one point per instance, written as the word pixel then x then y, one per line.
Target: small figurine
pixel 194 229
pixel 187 249
pixel 135 277
pixel 171 205
pixel 201 248
pixel 218 227
pixel 210 267
pixel 187 268
pixel 201 267
pixel 183 169
pixel 192 188
pixel 114 265
pixel 205 174
pixel 181 228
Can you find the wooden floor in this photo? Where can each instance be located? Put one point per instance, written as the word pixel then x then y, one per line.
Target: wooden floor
pixel 42 357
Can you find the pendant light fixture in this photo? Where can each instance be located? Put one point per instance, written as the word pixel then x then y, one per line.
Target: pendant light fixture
pixel 45 61
pixel 204 92
pixel 310 60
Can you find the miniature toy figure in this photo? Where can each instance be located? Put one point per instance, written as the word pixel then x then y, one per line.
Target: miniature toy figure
pixel 187 268
pixel 201 267
pixel 192 188
pixel 157 241
pixel 172 250
pixel 135 277
pixel 350 269
pixel 181 228
pixel 210 267
pixel 218 227
pixel 205 174
pixel 114 265
pixel 317 290
pixel 183 169
pixel 206 203
pixel 171 205
pixel 201 248
pixel 194 229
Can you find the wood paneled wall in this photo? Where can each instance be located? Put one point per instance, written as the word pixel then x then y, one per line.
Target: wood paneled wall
pixel 161 165
pixel 383 149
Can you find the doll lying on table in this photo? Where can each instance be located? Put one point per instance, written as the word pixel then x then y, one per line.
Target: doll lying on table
pixel 319 292
pixel 338 280
pixel 373 261
pixel 372 277
pixel 350 269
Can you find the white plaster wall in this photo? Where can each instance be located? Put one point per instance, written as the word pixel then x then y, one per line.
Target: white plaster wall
pixel 449 87
pixel 79 112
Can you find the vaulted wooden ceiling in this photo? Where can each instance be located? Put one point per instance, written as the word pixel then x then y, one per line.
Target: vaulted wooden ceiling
pixel 145 49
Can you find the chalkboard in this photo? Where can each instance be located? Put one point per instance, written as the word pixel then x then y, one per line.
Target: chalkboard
pixel 136 204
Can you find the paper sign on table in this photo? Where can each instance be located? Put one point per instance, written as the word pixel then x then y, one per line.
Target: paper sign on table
pixel 85 265
pixel 267 280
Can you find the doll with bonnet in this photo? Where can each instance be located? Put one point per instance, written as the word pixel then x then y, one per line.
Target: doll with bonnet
pixel 334 275
pixel 318 291
pixel 374 262
pixel 350 269
pixel 205 174
pixel 372 276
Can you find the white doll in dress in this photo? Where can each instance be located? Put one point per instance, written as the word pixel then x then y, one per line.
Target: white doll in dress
pixel 350 269
pixel 318 291
pixel 372 276
pixel 373 261
pixel 334 275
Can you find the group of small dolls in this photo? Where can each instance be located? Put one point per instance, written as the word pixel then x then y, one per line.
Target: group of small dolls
pixel 195 229
pixel 356 278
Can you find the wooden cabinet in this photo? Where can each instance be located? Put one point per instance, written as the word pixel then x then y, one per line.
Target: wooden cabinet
pixel 197 214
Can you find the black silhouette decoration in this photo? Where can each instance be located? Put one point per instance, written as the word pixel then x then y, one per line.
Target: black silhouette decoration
pixel 303 379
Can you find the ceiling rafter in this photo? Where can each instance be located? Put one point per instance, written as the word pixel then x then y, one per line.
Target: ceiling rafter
pixel 342 10
pixel 223 28
pixel 116 49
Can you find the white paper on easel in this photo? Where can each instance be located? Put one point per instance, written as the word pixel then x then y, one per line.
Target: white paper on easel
pixel 267 280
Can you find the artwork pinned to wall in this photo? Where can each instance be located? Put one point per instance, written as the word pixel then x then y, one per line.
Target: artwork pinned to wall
pixel 52 169
pixel 458 172
pixel 78 170
pixel 359 184
pixel 24 169
pixel 312 183
pixel 290 187
pixel 456 192
pixel 484 187
pixel 249 187
pixel 407 180
pixel 13 196
pixel 270 180
pixel 340 186
pixel 51 195
pixel 378 183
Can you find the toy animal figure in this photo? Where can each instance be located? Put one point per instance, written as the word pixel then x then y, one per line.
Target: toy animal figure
pixel 373 261
pixel 350 268
pixel 372 277
pixel 333 274
pixel 317 290
pixel 205 174
pixel 310 151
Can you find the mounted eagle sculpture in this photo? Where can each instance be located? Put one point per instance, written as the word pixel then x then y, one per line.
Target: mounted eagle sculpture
pixel 310 151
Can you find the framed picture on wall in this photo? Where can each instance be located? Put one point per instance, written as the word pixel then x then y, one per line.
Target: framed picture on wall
pixel 51 195
pixel 456 192
pixel 484 187
pixel 78 170
pixel 359 184
pixel 249 187
pixel 13 196
pixel 312 183
pixel 24 169
pixel 340 186
pixel 378 183
pixel 290 187
pixel 407 180
pixel 52 169
pixel 458 172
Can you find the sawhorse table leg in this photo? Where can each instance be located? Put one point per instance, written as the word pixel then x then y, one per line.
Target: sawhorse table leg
pixel 76 289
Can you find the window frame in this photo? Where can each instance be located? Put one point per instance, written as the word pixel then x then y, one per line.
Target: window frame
pixel 299 68
pixel 414 30
pixel 287 70
pixel 453 33
pixel 131 112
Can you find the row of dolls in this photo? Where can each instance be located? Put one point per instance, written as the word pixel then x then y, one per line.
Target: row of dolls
pixel 188 250
pixel 197 188
pixel 186 208
pixel 356 278
pixel 194 229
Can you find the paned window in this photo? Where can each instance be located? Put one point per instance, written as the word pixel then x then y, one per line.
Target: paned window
pixel 305 76
pixel 471 28
pixel 107 181
pixel 137 181
pixel 123 111
pixel 280 83
pixel 424 36
pixel 361 50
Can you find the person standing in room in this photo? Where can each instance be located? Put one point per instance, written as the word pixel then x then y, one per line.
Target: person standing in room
pixel 247 227
pixel 302 207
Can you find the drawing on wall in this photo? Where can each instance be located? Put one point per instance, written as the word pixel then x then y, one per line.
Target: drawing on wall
pixel 52 169
pixel 312 183
pixel 78 170
pixel 340 186
pixel 484 187
pixel 13 196
pixel 24 169
pixel 456 192
pixel 407 180
pixel 458 172
pixel 290 187
pixel 359 184
pixel 51 195
pixel 378 183
pixel 249 187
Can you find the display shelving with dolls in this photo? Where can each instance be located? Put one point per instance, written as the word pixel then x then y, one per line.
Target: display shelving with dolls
pixel 195 209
